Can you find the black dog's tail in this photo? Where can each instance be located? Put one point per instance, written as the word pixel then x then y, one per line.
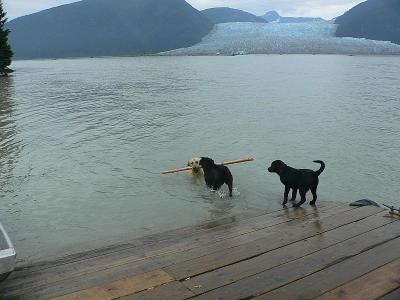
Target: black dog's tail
pixel 322 166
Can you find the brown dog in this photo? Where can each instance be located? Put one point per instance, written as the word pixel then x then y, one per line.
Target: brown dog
pixel 194 163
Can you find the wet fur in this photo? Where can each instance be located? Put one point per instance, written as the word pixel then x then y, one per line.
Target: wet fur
pixel 216 175
pixel 194 163
pixel 293 179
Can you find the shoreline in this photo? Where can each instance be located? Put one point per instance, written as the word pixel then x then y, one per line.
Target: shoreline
pixel 206 55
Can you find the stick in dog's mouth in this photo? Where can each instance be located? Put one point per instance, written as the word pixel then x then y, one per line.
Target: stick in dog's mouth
pixel 196 170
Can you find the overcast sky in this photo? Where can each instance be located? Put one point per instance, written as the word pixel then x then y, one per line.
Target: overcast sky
pixel 327 9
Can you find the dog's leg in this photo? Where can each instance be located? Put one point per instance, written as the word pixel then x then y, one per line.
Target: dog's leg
pixel 215 186
pixel 294 194
pixel 303 193
pixel 229 182
pixel 230 186
pixel 285 195
pixel 315 197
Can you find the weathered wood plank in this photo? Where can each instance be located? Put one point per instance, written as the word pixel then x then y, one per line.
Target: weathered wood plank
pixel 157 243
pixel 154 241
pixel 121 287
pixel 395 295
pixel 291 218
pixel 86 281
pixel 296 270
pixel 370 286
pixel 338 274
pixel 180 251
pixel 220 277
pixel 285 235
pixel 171 291
pixel 318 230
pixel 95 260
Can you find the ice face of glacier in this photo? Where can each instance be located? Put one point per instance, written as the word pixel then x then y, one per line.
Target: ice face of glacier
pixel 283 38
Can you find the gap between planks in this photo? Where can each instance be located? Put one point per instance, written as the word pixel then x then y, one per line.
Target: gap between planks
pixel 85 292
pixel 44 278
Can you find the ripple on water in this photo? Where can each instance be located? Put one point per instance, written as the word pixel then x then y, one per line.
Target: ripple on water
pixel 82 142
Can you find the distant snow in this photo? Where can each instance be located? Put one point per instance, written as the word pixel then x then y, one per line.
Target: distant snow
pixel 283 38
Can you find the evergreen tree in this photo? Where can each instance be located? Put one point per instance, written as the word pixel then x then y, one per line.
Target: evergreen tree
pixel 5 49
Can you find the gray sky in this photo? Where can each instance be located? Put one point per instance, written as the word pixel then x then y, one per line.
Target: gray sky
pixel 311 8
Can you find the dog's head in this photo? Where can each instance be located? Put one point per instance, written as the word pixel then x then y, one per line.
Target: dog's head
pixel 277 167
pixel 206 162
pixel 194 163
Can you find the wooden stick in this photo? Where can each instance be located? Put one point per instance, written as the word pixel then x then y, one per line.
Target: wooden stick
pixel 229 162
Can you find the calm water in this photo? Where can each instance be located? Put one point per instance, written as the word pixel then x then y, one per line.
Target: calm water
pixel 82 142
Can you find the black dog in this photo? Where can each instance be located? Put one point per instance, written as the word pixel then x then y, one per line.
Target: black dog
pixel 297 179
pixel 216 175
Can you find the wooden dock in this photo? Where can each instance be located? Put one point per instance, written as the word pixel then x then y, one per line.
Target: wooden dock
pixel 333 251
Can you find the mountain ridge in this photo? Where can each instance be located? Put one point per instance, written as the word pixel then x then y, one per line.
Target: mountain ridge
pixel 219 15
pixel 274 16
pixel 107 28
pixel 372 19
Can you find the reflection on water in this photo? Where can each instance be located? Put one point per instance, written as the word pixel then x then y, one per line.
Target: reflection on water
pixel 297 213
pixel 10 146
pixel 219 222
pixel 83 141
pixel 302 213
pixel 316 219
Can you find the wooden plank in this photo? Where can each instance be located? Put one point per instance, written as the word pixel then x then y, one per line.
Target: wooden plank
pixel 51 286
pixel 145 244
pixel 86 281
pixel 395 295
pixel 156 240
pixel 370 286
pixel 171 291
pixel 121 287
pixel 96 260
pixel 285 235
pixel 335 275
pixel 231 273
pixel 291 218
pixel 294 271
pixel 85 295
pixel 180 251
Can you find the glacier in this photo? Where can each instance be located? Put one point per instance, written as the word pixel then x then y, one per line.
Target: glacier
pixel 283 38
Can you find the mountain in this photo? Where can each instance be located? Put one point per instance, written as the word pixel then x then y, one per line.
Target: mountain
pixel 226 15
pixel 108 27
pixel 273 16
pixel 373 19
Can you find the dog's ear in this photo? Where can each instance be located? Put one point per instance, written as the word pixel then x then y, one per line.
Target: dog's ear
pixel 206 160
pixel 281 166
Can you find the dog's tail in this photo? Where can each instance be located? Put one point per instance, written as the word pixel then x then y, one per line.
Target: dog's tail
pixel 322 166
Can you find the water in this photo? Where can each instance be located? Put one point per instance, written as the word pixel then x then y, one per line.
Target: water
pixel 82 142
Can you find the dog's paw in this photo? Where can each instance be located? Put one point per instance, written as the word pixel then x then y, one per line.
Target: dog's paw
pixel 312 203
pixel 295 205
